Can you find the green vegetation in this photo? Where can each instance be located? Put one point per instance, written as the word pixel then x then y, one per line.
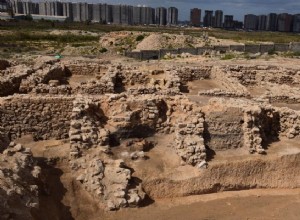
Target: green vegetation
pixel 26 36
pixel 140 38
pixel 103 50
pixel 228 56
pixel 291 54
pixel 242 36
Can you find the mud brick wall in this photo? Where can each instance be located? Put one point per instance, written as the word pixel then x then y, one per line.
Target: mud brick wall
pixel 223 130
pixel 43 117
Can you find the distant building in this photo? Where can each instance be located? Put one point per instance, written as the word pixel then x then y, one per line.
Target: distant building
pixel 3 6
pixel 147 15
pixel 271 22
pixel 30 8
pixel 195 17
pixel 228 22
pixel 250 22
pixel 238 24
pixel 116 14
pixel 208 18
pixel 106 13
pixel 136 15
pixel 96 13
pixel 67 10
pixel 218 21
pixel 161 16
pixel 76 10
pixel 17 6
pixel 126 14
pixel 262 23
pixel 296 23
pixel 284 22
pixel 172 18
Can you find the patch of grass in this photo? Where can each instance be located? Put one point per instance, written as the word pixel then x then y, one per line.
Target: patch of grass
pixel 228 56
pixel 291 54
pixel 25 36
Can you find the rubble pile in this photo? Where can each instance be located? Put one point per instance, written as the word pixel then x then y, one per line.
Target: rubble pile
pixel 19 179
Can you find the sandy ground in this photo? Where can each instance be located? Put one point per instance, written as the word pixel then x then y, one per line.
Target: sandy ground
pixel 251 204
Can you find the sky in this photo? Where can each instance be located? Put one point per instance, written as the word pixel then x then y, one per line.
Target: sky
pixel 238 8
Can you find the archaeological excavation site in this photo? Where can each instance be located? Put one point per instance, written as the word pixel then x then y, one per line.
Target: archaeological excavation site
pixel 96 138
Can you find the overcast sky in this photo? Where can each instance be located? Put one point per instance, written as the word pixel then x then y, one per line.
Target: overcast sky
pixel 238 8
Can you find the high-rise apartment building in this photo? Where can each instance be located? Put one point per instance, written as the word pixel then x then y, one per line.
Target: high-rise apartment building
pixel 136 15
pixel 218 21
pixel 208 18
pixel 296 23
pixel 228 22
pixel 250 22
pixel 195 17
pixel 284 22
pixel 262 23
pixel 161 16
pixel 172 18
pixel 147 15
pixel 271 22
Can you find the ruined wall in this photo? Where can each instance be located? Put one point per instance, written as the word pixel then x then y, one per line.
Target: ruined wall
pixel 43 117
pixel 253 75
pixel 187 74
pixel 223 129
pixel 11 79
pixel 43 76
pixel 249 48
pixel 4 64
pixel 85 67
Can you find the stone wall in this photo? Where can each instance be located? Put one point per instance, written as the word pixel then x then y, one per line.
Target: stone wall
pixel 252 48
pixel 187 74
pixel 249 48
pixel 295 46
pixel 281 47
pixel 238 48
pixel 43 117
pixel 10 79
pixel 265 48
pixel 85 67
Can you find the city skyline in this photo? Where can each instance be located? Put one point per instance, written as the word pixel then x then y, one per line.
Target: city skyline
pixel 237 8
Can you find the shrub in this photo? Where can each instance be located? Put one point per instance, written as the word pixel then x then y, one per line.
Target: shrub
pixel 140 38
pixel 103 50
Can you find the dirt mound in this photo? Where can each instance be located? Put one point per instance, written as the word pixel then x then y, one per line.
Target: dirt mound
pixel 157 41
